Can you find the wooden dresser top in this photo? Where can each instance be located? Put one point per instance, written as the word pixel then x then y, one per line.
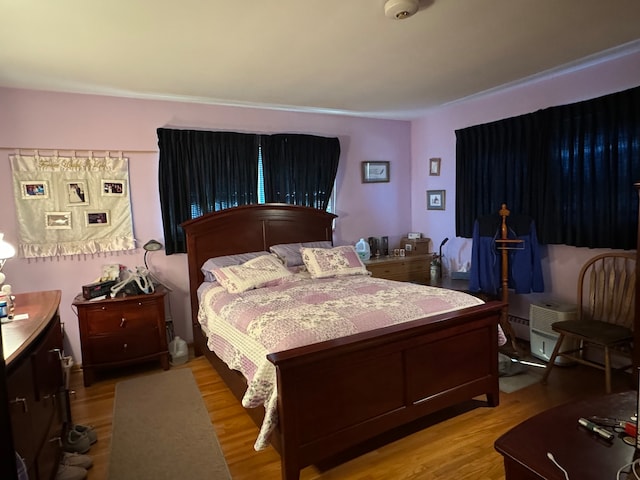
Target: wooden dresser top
pixel 18 334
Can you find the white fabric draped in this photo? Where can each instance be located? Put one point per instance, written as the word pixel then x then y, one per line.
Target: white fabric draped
pixel 68 205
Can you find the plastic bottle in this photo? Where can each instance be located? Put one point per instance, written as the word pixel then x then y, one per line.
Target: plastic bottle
pixel 363 249
pixel 178 351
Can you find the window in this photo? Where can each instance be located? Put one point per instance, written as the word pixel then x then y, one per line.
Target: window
pixel 202 172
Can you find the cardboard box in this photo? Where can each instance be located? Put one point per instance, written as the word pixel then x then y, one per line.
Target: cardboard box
pixel 418 245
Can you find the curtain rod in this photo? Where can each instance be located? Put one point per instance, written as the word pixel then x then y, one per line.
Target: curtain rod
pixel 75 150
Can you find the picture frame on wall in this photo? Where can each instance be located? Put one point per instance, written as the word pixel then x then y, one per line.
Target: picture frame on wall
pixel 34 189
pixel 101 218
pixel 434 167
pixel 436 199
pixel 76 193
pixel 375 172
pixel 113 188
pixel 57 220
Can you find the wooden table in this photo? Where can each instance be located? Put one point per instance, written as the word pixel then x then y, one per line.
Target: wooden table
pixel 582 454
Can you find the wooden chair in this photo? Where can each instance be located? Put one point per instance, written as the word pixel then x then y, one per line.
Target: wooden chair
pixel 606 300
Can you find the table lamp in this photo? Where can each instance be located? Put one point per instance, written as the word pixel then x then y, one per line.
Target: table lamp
pixel 6 251
pixel 150 246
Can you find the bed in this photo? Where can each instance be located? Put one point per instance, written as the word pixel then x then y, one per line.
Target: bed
pixel 338 393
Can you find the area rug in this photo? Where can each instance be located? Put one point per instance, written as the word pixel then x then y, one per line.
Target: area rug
pixel 162 430
pixel 515 375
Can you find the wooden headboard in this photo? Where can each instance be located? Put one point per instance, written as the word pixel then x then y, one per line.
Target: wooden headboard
pixel 249 228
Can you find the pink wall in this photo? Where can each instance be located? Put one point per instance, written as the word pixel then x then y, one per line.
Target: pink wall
pixel 32 119
pixel 434 136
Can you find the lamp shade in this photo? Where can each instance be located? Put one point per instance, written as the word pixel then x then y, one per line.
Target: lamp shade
pixel 6 249
pixel 152 245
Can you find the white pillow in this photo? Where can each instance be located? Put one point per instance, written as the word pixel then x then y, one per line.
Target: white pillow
pixel 255 273
pixel 333 262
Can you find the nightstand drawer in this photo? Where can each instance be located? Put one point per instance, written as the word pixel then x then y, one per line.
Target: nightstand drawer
pixel 115 348
pixel 114 318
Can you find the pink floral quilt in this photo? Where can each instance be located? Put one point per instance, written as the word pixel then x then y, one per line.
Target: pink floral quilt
pixel 243 328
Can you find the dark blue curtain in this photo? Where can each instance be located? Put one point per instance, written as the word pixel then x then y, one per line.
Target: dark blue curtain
pixel 571 168
pixel 200 172
pixel 299 169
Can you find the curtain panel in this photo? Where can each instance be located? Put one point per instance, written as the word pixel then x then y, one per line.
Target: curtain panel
pixel 299 169
pixel 200 172
pixel 571 168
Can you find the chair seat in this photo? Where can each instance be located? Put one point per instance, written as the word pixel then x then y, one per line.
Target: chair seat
pixel 600 333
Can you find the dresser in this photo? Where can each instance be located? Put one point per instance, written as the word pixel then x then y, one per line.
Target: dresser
pixel 120 331
pixel 35 400
pixel 410 268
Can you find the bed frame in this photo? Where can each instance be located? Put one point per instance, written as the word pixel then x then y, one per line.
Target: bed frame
pixel 337 394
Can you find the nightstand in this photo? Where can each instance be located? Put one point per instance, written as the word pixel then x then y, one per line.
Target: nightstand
pixel 123 330
pixel 410 268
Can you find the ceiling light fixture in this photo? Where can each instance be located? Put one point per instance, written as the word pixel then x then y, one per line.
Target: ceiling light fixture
pixel 400 9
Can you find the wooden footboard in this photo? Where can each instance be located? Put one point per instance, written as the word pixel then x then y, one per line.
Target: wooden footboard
pixel 337 394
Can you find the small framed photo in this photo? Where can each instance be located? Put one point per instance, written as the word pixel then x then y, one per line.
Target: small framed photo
pixel 434 167
pixel 34 189
pixel 99 218
pixel 375 172
pixel 76 193
pixel 57 220
pixel 436 199
pixel 113 188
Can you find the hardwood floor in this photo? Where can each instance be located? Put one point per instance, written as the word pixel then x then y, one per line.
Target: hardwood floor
pixel 455 444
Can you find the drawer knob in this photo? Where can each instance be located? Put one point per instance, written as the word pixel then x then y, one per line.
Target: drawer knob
pixel 123 321
pixel 58 351
pixel 125 346
pixel 58 440
pixel 22 400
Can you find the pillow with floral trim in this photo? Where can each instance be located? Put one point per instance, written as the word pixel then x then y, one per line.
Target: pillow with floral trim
pixel 290 254
pixel 255 273
pixel 333 262
pixel 225 261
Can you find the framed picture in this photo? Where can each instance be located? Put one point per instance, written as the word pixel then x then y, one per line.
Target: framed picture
pixel 435 199
pixel 434 167
pixel 76 193
pixel 57 220
pixel 34 189
pixel 113 188
pixel 375 172
pixel 98 219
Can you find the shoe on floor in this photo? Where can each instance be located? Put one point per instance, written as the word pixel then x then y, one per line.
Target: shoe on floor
pixel 69 472
pixel 76 460
pixel 89 430
pixel 76 442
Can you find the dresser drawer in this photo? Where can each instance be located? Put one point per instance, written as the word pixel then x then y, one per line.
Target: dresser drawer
pixel 115 348
pixel 114 318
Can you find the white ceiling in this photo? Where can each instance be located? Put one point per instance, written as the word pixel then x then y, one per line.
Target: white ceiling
pixel 341 56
